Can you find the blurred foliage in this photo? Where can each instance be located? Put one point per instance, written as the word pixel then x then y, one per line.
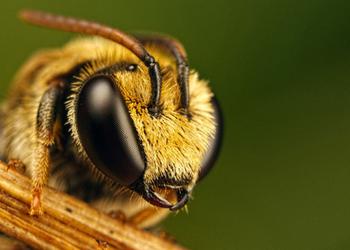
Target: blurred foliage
pixel 281 71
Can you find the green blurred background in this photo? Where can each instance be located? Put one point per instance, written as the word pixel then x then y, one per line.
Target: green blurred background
pixel 282 72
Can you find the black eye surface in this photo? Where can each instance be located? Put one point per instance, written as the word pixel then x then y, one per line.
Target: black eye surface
pixel 107 132
pixel 214 145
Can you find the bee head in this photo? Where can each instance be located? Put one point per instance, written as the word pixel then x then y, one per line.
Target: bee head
pixel 148 131
pixel 161 158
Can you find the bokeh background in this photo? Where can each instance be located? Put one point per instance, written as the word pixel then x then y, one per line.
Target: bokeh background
pixel 281 70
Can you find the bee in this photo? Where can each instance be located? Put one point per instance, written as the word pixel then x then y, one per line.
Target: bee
pixel 117 120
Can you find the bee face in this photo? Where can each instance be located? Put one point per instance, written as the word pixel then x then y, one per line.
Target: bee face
pixel 150 155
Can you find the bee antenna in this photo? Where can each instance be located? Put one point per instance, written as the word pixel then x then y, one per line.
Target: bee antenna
pixel 74 25
pixel 179 53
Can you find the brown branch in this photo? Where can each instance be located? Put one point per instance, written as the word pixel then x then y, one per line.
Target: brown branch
pixel 67 223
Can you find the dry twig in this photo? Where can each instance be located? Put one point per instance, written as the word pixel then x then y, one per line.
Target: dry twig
pixel 67 222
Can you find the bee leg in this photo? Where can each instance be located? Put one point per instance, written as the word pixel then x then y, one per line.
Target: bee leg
pixel 46 118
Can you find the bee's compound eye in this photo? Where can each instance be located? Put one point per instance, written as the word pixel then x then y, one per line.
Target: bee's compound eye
pixel 215 143
pixel 107 132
